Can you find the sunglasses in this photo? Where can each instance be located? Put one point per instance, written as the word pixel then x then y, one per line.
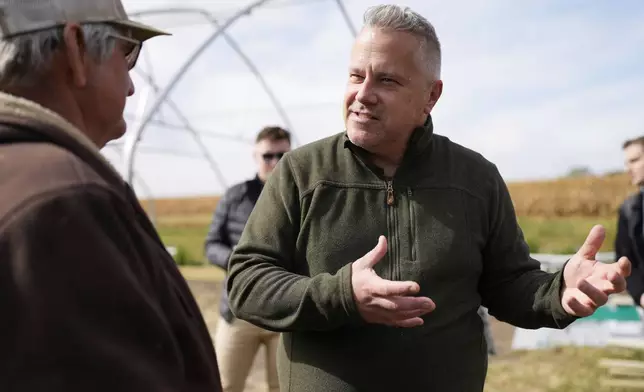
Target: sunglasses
pixel 132 49
pixel 269 156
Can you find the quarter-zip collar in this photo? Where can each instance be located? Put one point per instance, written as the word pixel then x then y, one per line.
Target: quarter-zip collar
pixel 417 144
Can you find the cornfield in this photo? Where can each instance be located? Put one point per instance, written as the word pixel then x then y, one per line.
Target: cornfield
pixel 571 197
pixel 183 207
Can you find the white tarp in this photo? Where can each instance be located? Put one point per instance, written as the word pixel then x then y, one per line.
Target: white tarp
pixel 618 319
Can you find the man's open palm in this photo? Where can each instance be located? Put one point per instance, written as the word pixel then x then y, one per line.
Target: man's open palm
pixel 588 282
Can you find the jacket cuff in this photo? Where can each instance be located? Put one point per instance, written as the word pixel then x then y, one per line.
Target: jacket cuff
pixel 561 318
pixel 348 299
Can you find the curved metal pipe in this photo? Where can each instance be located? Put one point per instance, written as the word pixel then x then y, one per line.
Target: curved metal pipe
pixel 136 135
pixel 280 110
pixel 234 46
pixel 200 143
pixel 204 134
pixel 347 19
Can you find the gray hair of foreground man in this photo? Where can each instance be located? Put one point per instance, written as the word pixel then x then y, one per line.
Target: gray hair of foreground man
pixel 24 58
pixel 400 18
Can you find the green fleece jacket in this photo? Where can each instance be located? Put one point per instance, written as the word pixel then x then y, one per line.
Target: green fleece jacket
pixel 450 226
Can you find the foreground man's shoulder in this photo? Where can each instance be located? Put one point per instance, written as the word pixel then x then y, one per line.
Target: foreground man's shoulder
pixel 326 147
pixel 464 162
pixel 319 159
pixel 466 154
pixel 47 173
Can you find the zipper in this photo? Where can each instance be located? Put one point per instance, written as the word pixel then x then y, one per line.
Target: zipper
pixel 390 193
pixel 412 226
pixel 392 248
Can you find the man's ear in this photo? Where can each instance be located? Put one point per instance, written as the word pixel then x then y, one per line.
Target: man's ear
pixel 76 54
pixel 434 95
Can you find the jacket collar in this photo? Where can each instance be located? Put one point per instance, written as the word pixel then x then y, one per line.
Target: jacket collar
pixel 256 184
pixel 35 122
pixel 420 138
pixel 417 144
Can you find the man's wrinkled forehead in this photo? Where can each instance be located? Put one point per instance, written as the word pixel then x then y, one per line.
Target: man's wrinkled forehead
pixel 385 50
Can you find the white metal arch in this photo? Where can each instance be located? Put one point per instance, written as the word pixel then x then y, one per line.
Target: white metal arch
pixel 234 45
pixel 132 139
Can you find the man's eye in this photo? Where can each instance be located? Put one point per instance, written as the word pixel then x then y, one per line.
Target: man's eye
pixel 356 77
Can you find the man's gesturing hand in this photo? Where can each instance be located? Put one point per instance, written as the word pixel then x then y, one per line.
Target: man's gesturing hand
pixel 383 301
pixel 588 282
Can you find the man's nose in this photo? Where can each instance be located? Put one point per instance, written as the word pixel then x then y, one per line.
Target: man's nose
pixel 366 93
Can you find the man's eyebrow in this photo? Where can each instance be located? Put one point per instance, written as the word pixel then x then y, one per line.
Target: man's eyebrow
pixel 390 75
pixel 385 74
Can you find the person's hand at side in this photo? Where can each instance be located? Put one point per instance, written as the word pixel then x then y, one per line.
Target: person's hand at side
pixel 387 302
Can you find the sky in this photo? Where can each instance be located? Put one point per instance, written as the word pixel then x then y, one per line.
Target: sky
pixel 537 86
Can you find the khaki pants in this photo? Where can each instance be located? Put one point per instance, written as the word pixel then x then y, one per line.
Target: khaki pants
pixel 236 345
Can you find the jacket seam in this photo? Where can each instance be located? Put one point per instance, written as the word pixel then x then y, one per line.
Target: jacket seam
pixel 338 184
pixel 290 363
pixel 468 229
pixel 356 185
pixel 454 187
pixel 293 172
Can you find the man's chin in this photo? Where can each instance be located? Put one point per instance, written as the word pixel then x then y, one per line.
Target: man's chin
pixel 362 137
pixel 117 132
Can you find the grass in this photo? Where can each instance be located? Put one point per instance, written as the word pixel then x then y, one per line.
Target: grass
pixel 566 369
pixel 204 273
pixel 185 232
pixel 544 235
pixel 564 235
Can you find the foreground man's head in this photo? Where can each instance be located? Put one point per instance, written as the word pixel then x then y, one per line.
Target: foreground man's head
pixel 73 57
pixel 394 79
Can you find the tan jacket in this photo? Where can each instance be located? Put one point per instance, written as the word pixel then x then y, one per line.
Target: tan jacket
pixel 90 299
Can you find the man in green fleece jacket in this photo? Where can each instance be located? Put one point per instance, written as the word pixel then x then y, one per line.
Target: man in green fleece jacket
pixel 400 316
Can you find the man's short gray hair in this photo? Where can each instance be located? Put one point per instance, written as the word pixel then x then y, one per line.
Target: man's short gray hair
pixel 24 58
pixel 400 18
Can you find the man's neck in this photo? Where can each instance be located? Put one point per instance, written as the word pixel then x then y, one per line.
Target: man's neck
pixel 389 160
pixel 388 166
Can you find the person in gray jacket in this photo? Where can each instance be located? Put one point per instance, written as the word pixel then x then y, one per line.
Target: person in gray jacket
pixel 237 341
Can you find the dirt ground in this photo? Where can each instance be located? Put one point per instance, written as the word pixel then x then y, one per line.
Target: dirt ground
pixel 207 294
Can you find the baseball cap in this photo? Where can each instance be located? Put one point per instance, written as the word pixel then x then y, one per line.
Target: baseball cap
pixel 25 16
